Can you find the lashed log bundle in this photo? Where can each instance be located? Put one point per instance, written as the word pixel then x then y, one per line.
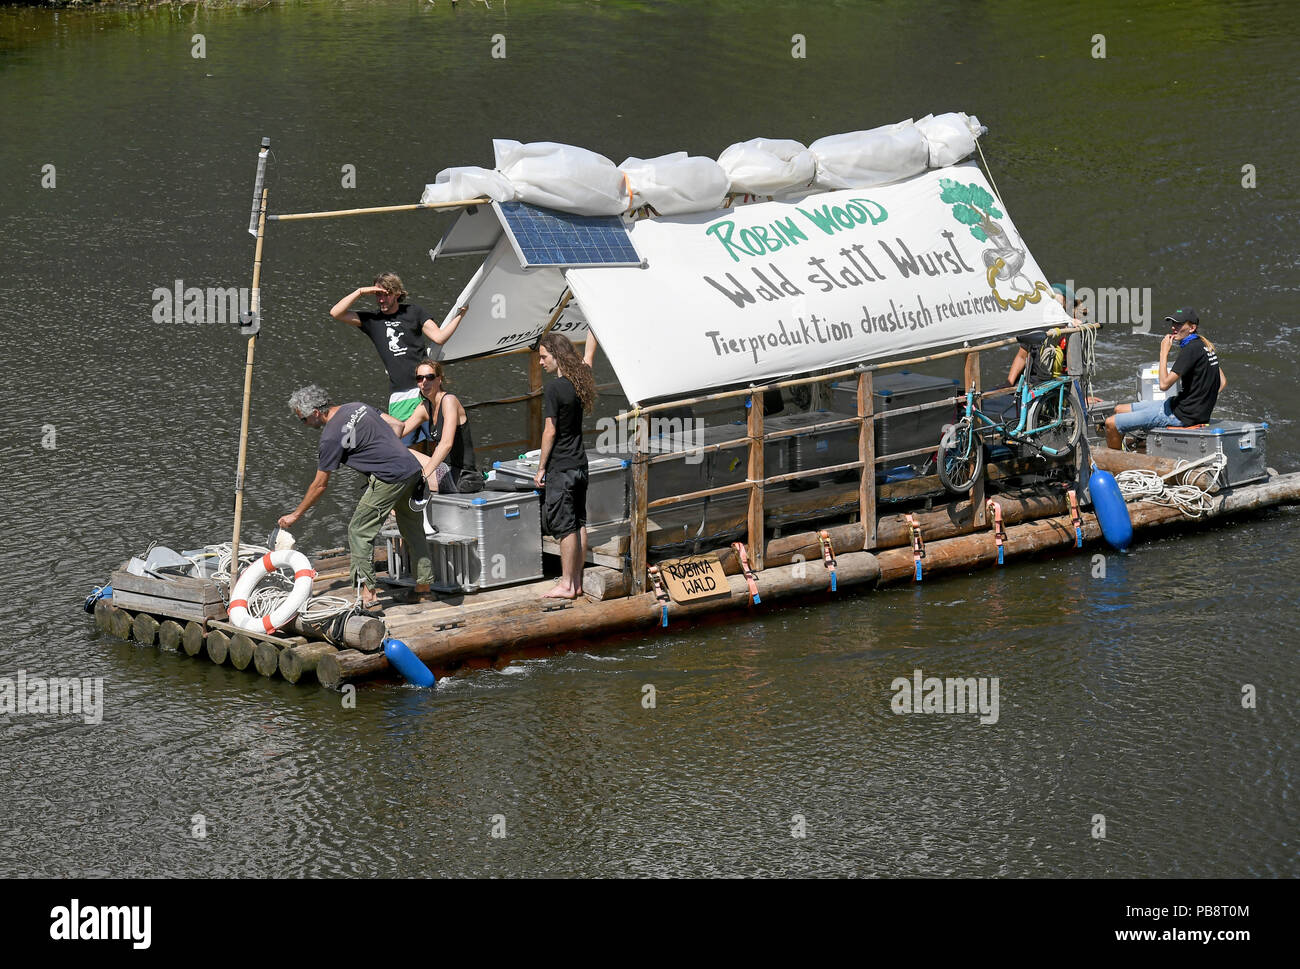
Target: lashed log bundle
pixel 192 640
pixel 241 650
pixel 298 662
pixel 489 635
pixel 170 634
pixel 144 629
pixel 217 645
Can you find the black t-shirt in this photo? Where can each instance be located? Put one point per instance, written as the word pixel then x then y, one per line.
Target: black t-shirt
pixel 357 436
pixel 399 338
pixel 560 403
pixel 1198 369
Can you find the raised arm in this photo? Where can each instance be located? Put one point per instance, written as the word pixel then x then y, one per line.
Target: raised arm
pixel 441 334
pixel 342 309
pixel 589 350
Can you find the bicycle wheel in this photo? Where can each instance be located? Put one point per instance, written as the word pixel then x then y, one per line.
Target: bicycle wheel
pixel 962 460
pixel 1069 425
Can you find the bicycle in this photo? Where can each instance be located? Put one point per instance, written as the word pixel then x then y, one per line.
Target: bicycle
pixel 1048 420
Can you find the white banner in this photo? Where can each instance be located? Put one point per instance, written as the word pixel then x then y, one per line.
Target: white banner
pixel 777 288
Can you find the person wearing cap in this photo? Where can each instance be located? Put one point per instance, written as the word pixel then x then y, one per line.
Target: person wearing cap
pixel 1197 366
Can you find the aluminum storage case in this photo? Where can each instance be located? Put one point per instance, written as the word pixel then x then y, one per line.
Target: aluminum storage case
pixel 895 391
pixel 805 452
pixel 608 481
pixel 1149 383
pixel 485 539
pixel 1243 443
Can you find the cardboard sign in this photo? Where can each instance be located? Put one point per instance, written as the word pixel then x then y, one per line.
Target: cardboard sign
pixel 695 577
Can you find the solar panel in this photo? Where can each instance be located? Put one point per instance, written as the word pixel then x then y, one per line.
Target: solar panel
pixel 545 237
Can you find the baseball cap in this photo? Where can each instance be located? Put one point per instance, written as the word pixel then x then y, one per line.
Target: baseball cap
pixel 1184 315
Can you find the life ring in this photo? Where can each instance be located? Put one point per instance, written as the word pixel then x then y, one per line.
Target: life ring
pixel 303 574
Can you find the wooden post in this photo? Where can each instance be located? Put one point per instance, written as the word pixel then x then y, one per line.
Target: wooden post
pixel 972 376
pixel 534 430
pixel 297 661
pixel 756 476
pixel 266 658
pixel 867 455
pixel 640 498
pixel 254 307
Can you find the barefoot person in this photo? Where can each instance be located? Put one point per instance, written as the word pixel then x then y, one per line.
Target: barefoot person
pixel 442 419
pixel 562 465
pixel 353 434
pixel 397 331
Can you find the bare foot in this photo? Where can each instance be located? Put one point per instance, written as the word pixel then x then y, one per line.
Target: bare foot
pixel 561 591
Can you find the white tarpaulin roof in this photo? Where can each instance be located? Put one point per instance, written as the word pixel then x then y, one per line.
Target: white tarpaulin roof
pixel 777 288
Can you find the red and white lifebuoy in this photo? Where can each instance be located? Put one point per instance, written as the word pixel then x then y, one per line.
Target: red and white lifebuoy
pixel 303 574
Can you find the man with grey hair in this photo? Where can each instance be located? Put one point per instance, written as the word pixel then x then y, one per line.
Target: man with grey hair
pixel 354 434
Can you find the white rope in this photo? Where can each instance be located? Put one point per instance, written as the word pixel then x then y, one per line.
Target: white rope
pixel 1192 500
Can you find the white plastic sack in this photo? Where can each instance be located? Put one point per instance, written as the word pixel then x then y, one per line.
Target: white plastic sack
pixel 456 184
pixel 862 158
pixel 561 177
pixel 768 166
pixel 951 137
pixel 676 183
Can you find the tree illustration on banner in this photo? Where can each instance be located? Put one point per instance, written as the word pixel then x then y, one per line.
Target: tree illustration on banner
pixel 973 206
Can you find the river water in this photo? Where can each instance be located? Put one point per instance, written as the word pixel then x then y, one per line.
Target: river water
pixel 1120 696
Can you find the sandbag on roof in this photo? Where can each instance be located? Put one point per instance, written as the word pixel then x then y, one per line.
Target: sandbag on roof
pixel 457 184
pixel 768 166
pixel 676 183
pixel 951 136
pixel 860 159
pixel 562 177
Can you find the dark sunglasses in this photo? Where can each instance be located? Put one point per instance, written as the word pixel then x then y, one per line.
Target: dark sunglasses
pixel 422 377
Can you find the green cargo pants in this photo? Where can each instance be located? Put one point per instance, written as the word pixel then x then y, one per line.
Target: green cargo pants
pixel 376 502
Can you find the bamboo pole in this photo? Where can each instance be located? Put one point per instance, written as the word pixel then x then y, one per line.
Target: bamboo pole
pixel 380 209
pixel 755 519
pixel 255 307
pixel 867 455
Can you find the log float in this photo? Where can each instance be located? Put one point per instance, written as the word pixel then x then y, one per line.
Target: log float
pixel 959 552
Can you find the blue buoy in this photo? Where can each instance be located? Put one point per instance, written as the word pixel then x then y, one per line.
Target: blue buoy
pixel 1111 509
pixel 407 663
pixel 99 592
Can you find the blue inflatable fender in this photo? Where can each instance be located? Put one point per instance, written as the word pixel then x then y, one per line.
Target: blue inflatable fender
pixel 1111 509
pixel 407 663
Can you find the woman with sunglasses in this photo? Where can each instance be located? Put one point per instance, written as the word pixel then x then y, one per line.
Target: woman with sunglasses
pixel 450 469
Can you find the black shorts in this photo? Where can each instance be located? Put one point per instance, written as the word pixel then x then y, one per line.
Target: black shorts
pixel 564 502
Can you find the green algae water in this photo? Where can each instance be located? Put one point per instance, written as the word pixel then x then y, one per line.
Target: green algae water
pixel 773 746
